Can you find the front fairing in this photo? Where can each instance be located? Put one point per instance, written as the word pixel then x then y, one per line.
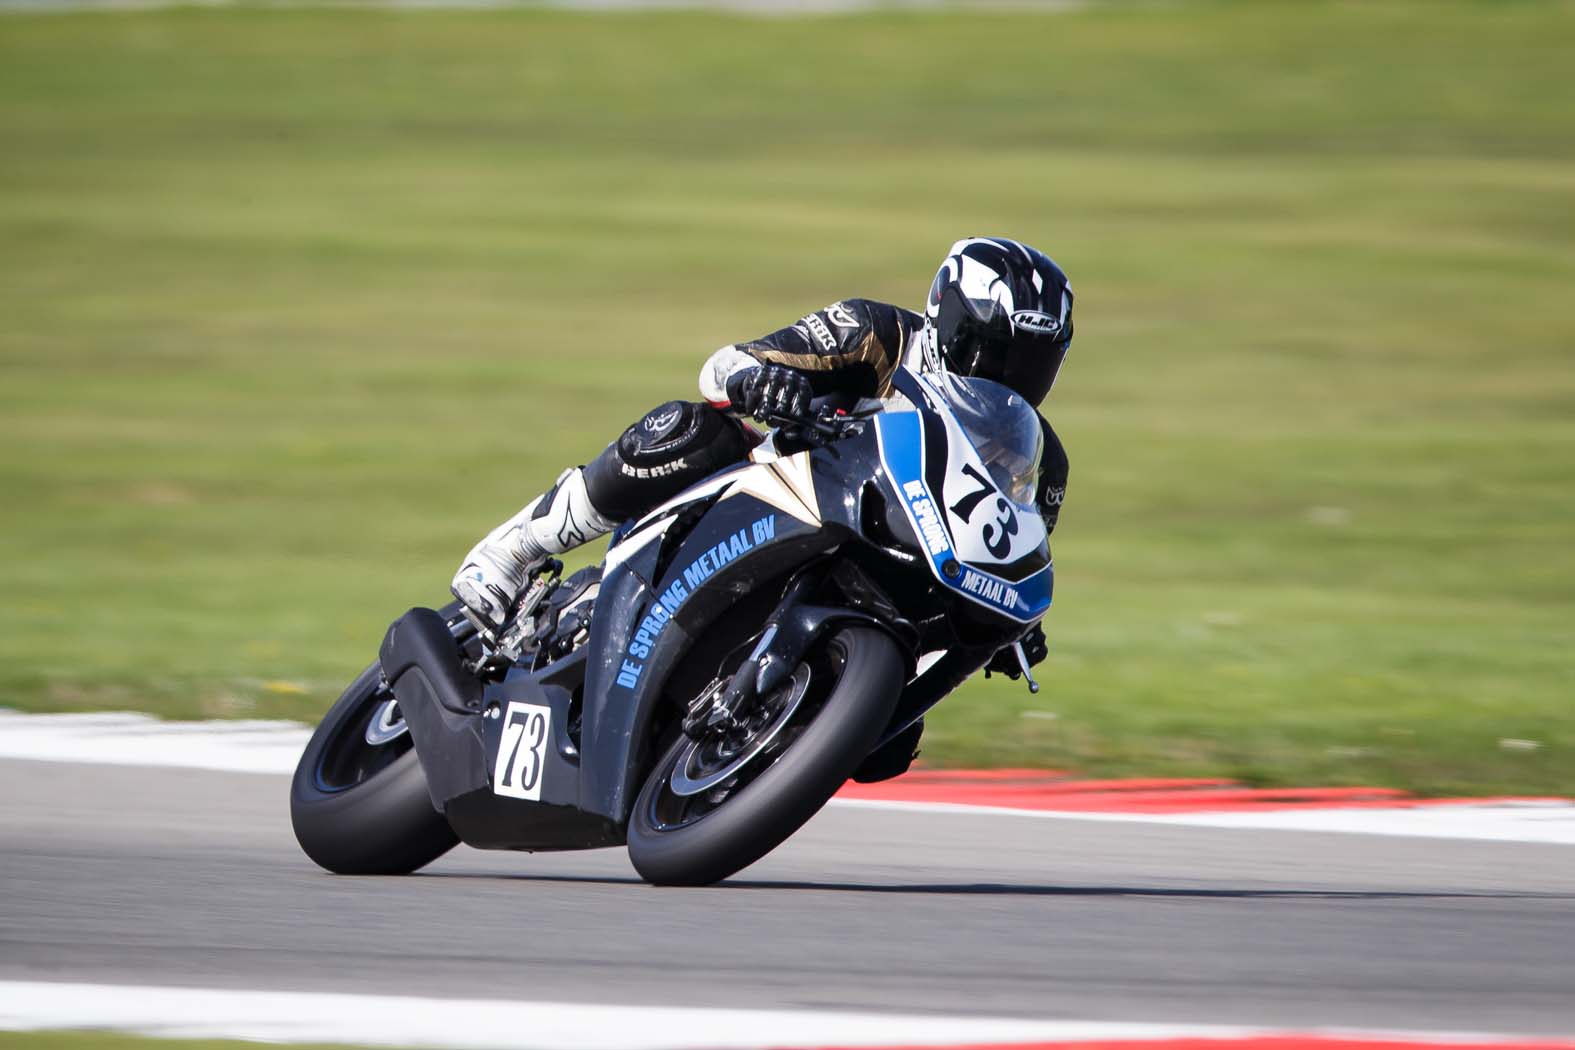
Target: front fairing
pixel 978 543
pixel 665 585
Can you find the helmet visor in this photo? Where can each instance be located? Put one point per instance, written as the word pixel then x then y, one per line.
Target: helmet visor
pixel 975 335
pixel 1033 364
pixel 979 338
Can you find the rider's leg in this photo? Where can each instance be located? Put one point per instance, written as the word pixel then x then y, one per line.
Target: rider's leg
pixel 668 449
pixel 494 572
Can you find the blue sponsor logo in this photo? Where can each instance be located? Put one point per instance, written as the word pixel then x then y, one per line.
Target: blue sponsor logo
pixel 927 518
pixel 629 674
pixel 739 543
pixel 997 592
pixel 661 612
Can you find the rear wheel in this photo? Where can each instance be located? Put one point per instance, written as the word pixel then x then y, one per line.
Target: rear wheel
pixel 716 805
pixel 359 801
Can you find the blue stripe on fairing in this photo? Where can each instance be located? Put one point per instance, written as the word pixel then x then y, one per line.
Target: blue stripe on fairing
pixel 901 440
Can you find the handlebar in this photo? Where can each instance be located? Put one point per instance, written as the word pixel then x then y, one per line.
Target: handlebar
pixel 827 417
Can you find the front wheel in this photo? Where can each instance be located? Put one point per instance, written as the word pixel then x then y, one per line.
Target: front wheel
pixel 712 807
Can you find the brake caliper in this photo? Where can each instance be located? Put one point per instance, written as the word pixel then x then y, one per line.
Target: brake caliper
pixel 708 709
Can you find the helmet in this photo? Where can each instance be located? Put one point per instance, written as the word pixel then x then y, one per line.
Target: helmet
pixel 999 310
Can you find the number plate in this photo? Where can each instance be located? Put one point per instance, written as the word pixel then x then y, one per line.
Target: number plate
pixel 521 762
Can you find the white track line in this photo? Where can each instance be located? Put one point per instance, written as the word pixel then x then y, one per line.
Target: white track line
pixel 125 738
pixel 129 739
pixel 1546 822
pixel 492 1024
pixel 484 1024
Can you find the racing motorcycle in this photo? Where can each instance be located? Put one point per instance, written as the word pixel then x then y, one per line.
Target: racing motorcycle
pixel 741 651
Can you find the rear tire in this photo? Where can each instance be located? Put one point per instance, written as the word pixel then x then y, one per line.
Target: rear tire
pixel 782 797
pixel 358 810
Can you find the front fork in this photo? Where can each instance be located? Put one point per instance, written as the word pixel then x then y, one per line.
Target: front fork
pixel 775 655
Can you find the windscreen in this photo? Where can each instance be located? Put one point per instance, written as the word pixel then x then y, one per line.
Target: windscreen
pixel 1003 427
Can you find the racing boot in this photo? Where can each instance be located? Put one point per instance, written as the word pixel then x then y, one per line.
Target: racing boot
pixel 497 569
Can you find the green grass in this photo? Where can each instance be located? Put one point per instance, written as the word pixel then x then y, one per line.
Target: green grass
pixel 295 304
pixel 99 1040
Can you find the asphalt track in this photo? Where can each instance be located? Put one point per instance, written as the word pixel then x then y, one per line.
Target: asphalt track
pixel 188 877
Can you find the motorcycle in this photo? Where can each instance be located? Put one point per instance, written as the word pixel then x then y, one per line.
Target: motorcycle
pixel 741 652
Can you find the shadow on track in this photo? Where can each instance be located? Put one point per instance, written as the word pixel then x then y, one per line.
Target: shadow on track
pixel 984 889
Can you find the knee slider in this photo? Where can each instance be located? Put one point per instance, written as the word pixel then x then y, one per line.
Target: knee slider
pixel 680 437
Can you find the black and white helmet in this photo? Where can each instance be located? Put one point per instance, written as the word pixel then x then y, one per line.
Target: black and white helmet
pixel 999 310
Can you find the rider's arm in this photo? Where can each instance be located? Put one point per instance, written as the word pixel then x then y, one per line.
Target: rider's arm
pixel 851 347
pixel 718 369
pixel 1048 496
pixel 1053 469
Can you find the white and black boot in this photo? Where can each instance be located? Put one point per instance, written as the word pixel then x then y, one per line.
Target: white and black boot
pixel 497 569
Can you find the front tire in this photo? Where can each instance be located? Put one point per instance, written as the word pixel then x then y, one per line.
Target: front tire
pixel 359 807
pixel 669 848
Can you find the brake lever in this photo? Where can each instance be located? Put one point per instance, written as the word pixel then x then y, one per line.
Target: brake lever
pixel 819 424
pixel 1022 661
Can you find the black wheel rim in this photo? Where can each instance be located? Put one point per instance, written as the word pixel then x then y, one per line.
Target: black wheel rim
pixel 372 736
pixel 368 740
pixel 670 811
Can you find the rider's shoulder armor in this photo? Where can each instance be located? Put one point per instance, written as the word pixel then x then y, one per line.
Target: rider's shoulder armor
pixel 852 346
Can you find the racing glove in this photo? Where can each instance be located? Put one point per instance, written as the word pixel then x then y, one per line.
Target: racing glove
pixel 1005 660
pixel 770 390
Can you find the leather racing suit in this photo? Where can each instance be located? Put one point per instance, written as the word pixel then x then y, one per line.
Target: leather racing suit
pixel 851 347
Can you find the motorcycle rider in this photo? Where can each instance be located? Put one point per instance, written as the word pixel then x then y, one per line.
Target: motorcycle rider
pixel 997 309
